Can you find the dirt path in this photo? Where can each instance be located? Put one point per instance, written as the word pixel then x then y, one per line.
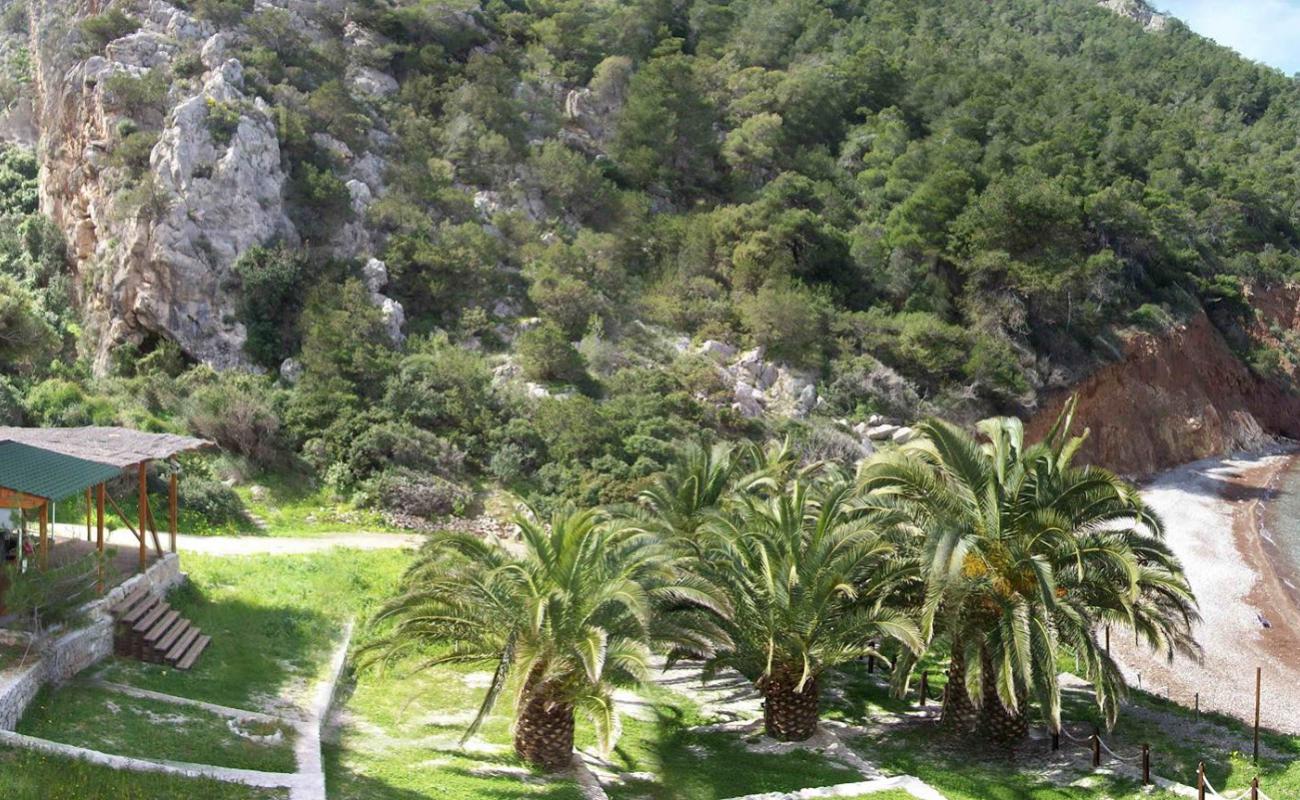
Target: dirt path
pixel 255 545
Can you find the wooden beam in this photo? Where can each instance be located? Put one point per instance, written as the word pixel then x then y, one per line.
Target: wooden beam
pixel 45 537
pixel 89 507
pixel 143 513
pixel 99 536
pixel 11 499
pixel 171 507
pixel 125 519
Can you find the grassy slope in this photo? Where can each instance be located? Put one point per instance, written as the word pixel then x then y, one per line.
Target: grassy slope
pixel 35 776
pixel 88 716
pixel 273 621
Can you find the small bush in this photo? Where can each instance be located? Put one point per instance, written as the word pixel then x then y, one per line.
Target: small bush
pixel 411 493
pixel 1152 318
pixel 545 354
pixel 62 403
pixel 221 12
pixel 137 96
pixel 211 499
pixel 133 151
pixel 403 445
pixel 97 31
pixel 223 121
pixel 188 64
pixel 236 412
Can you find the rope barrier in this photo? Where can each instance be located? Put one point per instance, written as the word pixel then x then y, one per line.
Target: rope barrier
pixel 1130 760
pixel 1215 792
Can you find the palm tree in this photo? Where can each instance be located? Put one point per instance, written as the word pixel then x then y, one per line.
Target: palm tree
pixel 811 575
pixel 1026 556
pixel 573 616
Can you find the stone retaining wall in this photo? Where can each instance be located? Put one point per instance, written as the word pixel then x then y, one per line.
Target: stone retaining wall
pixel 61 655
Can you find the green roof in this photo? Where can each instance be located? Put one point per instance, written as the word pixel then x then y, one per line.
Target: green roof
pixel 47 474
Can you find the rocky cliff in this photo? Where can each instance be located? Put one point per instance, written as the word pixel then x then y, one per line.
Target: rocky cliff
pixel 154 244
pixel 1172 398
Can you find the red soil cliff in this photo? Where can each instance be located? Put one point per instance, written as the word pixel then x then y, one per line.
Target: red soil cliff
pixel 1176 397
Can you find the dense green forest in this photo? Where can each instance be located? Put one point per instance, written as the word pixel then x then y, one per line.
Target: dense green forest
pixel 945 206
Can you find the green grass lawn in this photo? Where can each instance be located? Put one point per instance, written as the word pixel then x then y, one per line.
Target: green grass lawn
pixel 26 775
pixel 292 506
pixel 695 765
pixel 397 740
pixel 399 733
pixel 88 716
pixel 274 620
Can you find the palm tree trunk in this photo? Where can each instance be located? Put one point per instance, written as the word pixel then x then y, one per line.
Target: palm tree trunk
pixel 790 715
pixel 959 713
pixel 996 722
pixel 544 731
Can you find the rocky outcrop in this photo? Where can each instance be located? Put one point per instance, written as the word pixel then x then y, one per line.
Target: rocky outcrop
pixel 1173 398
pixel 760 386
pixel 1138 11
pixel 154 247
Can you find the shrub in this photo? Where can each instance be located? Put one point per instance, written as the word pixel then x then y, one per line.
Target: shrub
pixel 11 407
pixel 132 151
pixel 1152 318
pixel 410 493
pixel 97 31
pixel 445 388
pixel 545 354
pixel 223 121
pixel 61 403
pixel 271 302
pixel 211 499
pixel 236 412
pixel 136 96
pixel 789 320
pixel 403 445
pixel 221 12
pixel 188 64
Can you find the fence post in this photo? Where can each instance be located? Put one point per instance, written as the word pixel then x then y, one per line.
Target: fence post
pixel 1198 705
pixel 871 665
pixel 925 687
pixel 1056 740
pixel 1254 788
pixel 1200 781
pixel 1259 678
pixel 1146 764
pixel 1096 749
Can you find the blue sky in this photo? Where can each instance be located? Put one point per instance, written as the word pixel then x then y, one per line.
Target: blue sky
pixel 1263 30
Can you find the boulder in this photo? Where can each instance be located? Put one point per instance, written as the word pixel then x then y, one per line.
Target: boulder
pixel 879 433
pixel 903 435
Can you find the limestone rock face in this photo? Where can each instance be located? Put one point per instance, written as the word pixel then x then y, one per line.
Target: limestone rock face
pixel 221 199
pixel 1138 11
pixel 154 252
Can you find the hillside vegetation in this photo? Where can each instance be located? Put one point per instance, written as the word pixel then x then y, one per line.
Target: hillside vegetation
pixel 943 206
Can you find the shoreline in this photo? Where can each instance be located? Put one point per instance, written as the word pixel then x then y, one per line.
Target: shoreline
pixel 1241 582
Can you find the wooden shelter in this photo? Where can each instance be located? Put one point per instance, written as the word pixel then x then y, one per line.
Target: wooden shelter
pixel 40 466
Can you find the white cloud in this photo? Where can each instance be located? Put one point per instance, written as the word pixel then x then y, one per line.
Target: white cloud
pixel 1263 30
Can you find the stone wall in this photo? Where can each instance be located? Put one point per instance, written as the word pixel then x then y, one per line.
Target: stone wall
pixel 63 654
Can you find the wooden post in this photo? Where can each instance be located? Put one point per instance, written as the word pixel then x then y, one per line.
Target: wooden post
pixel 1198 705
pixel 925 687
pixel 871 665
pixel 1259 679
pixel 171 507
pixel 99 533
pixel 1096 749
pixel 45 535
pixel 1056 741
pixel 1146 764
pixel 1254 788
pixel 88 508
pixel 1200 781
pixel 1107 639
pixel 143 513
